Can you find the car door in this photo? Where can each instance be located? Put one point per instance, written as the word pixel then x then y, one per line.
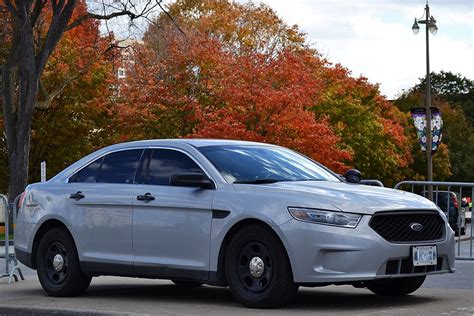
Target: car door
pixel 100 200
pixel 171 229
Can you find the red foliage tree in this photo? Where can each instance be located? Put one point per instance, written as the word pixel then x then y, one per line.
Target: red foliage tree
pixel 214 93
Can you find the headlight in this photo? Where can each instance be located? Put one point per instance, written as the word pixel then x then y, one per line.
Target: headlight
pixel 340 219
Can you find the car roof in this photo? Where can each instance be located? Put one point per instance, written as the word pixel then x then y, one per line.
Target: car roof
pixel 196 142
pixel 179 142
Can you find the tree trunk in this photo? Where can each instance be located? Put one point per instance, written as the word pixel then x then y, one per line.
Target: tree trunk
pixel 27 57
pixel 18 156
pixel 20 86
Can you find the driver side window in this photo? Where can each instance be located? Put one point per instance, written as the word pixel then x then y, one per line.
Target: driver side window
pixel 162 163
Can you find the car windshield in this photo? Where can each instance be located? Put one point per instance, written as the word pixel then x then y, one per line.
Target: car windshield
pixel 264 164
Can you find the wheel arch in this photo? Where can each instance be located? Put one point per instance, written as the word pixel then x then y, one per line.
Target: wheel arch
pixel 46 226
pixel 235 228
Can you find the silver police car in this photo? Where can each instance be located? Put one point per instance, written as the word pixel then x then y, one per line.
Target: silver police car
pixel 259 218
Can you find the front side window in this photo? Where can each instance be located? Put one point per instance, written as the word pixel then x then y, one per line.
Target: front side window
pixel 264 164
pixel 117 167
pixel 165 162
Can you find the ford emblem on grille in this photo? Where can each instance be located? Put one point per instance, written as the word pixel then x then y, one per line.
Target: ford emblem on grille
pixel 416 227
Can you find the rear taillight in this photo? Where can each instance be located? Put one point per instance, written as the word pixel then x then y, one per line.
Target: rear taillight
pixel 455 201
pixel 21 200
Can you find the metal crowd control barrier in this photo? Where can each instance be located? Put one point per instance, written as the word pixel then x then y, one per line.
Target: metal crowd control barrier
pixel 449 194
pixel 11 263
pixel 372 182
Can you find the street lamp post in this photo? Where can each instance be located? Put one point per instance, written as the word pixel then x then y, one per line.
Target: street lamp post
pixel 430 23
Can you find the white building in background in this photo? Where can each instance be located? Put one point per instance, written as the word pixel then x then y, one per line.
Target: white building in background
pixel 126 53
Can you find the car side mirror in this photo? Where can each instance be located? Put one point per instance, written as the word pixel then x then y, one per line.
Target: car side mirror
pixel 198 180
pixel 353 176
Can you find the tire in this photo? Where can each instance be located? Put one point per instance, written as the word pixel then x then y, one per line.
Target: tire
pixel 267 287
pixel 69 280
pixel 186 284
pixel 397 286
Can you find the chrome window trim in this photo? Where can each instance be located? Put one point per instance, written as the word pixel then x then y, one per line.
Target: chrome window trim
pixel 100 157
pixel 206 172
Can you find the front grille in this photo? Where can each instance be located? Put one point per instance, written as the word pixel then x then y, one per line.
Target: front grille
pixel 405 266
pixel 397 226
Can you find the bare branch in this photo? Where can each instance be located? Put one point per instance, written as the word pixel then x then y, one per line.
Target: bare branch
pixel 55 32
pixel 39 5
pixel 84 17
pixel 131 11
pixel 11 8
pixel 171 18
pixel 49 97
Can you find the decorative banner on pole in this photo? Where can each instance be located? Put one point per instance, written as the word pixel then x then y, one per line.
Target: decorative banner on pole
pixel 419 119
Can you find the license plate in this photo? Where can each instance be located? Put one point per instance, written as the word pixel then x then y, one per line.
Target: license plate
pixel 424 255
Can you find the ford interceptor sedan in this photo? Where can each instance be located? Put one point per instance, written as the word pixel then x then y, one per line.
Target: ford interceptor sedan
pixel 259 218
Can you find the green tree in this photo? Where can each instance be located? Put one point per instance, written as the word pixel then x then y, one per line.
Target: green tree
pixel 370 126
pixel 451 161
pixel 453 88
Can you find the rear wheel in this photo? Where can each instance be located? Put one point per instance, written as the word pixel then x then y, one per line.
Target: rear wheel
pixel 397 286
pixel 258 270
pixel 58 265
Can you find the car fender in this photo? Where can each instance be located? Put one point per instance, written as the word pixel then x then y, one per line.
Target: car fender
pixel 221 228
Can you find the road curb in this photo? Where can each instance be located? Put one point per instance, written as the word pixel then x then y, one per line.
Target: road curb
pixel 44 311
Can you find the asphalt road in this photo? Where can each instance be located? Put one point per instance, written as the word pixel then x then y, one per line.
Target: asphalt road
pixel 447 294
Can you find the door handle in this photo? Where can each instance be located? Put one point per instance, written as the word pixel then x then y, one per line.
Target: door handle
pixel 147 197
pixel 77 196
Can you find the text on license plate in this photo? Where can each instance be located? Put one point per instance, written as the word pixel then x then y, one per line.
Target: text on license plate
pixel 424 255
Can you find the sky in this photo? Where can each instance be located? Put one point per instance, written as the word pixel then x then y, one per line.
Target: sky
pixel 373 38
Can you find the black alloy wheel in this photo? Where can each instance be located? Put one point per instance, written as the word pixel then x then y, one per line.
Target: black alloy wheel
pixel 57 263
pixel 255 269
pixel 258 270
pixel 58 266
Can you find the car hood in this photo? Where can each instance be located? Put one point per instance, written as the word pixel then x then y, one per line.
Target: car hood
pixel 345 197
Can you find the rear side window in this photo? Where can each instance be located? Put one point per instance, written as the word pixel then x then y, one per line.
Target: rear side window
pixel 165 162
pixel 117 167
pixel 89 173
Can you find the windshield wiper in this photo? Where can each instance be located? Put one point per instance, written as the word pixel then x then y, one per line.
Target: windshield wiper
pixel 258 181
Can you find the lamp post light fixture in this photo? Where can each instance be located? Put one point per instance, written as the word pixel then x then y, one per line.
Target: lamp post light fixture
pixel 431 27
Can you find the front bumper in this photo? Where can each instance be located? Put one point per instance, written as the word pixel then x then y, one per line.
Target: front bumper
pixel 328 254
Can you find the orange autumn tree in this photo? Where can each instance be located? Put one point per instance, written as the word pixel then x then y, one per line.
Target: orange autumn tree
pixel 266 100
pixel 198 88
pixel 241 72
pixel 71 115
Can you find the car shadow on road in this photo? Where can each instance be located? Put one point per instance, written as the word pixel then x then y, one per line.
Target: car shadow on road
pixel 319 299
pixel 361 299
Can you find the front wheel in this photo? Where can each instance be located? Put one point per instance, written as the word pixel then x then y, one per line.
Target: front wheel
pixel 258 270
pixel 58 266
pixel 397 286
